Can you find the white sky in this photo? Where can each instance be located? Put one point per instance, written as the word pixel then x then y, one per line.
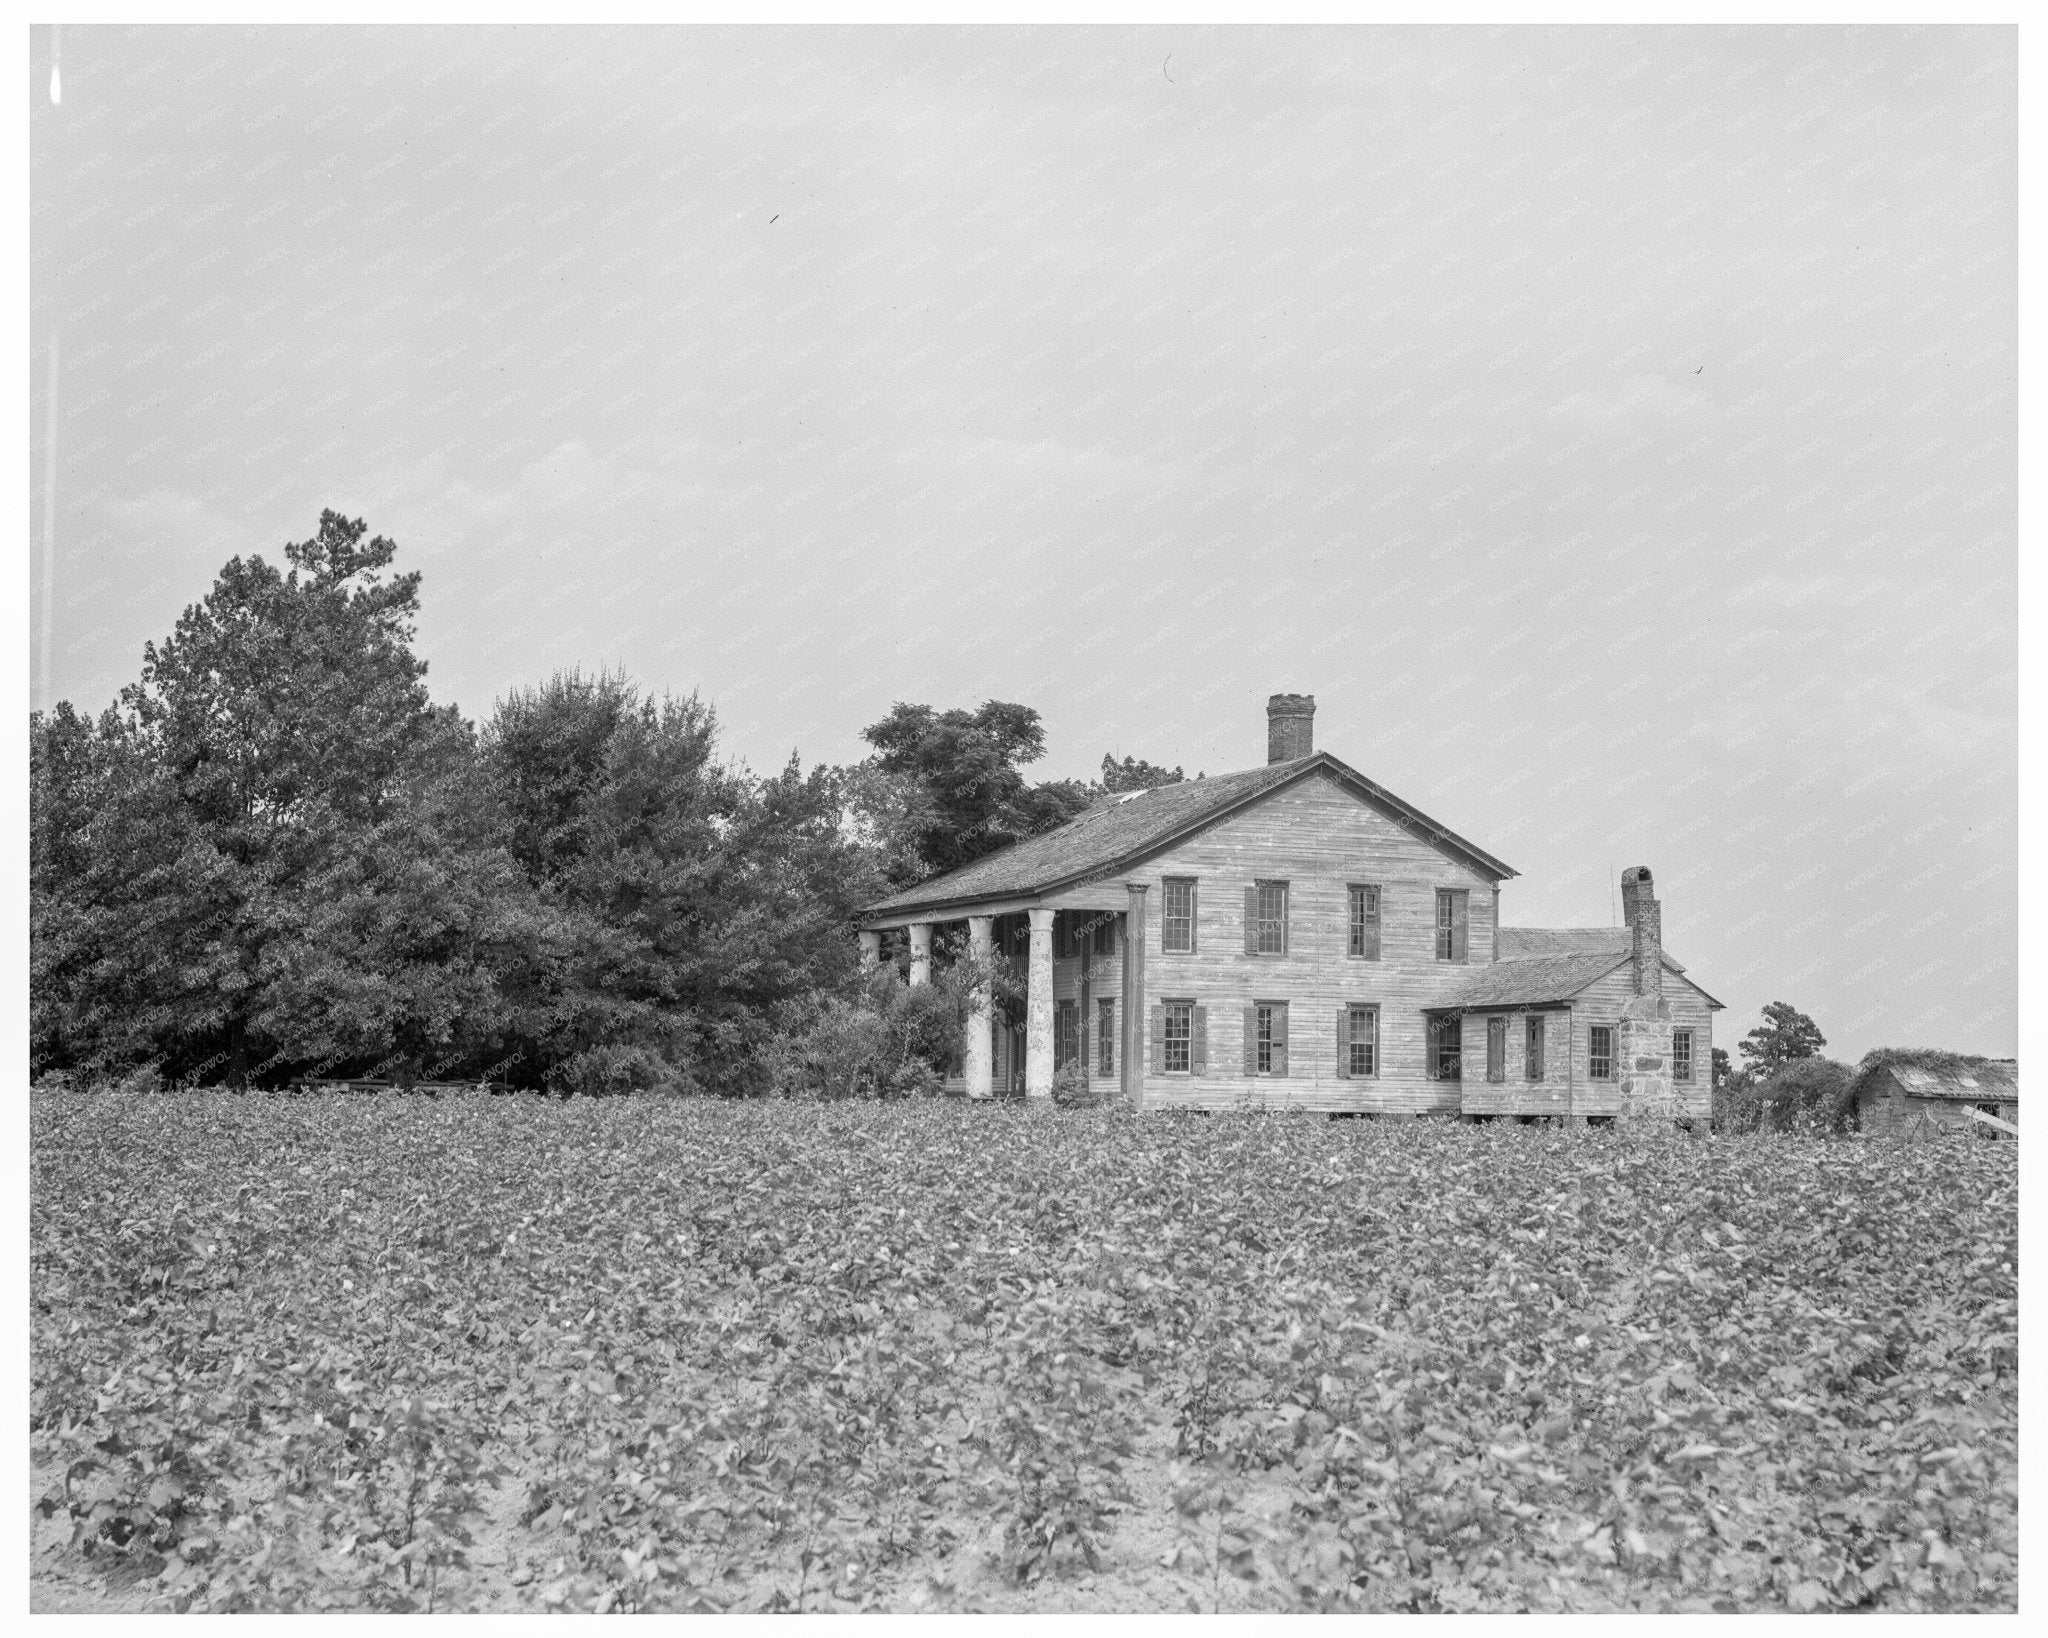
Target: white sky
pixel 1614 430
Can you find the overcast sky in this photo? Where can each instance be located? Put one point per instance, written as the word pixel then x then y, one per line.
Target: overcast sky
pixel 1614 430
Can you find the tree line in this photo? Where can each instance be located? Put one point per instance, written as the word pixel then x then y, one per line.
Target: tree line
pixel 1784 1084
pixel 274 857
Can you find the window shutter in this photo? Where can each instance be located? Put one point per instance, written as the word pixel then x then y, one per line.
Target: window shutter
pixel 1280 1040
pixel 1157 1063
pixel 1373 907
pixel 1198 1042
pixel 1194 916
pixel 1344 1043
pixel 1459 903
pixel 1286 915
pixel 1251 920
pixel 1251 1040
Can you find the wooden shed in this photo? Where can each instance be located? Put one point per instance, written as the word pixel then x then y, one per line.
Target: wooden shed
pixel 1900 1092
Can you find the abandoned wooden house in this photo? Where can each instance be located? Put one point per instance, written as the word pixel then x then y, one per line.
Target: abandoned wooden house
pixel 1899 1092
pixel 1300 935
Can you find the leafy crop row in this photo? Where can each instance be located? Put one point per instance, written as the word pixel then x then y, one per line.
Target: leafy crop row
pixel 299 1353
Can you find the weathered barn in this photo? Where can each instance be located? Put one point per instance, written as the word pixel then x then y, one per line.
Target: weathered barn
pixel 1899 1091
pixel 1299 934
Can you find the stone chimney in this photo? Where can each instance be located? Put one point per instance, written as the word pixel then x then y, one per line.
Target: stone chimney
pixel 1290 727
pixel 1645 922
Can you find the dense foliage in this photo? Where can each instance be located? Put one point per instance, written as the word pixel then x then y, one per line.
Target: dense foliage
pixel 1784 1084
pixel 1136 774
pixel 275 857
pixel 1812 1094
pixel 964 793
pixel 647 1353
pixel 1785 1036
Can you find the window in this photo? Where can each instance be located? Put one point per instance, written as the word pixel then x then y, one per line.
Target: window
pixel 1104 933
pixel 1178 1058
pixel 1066 1033
pixel 1496 1049
pixel 1177 918
pixel 1681 1055
pixel 1532 1056
pixel 1266 1038
pixel 1365 922
pixel 1105 1038
pixel 1601 1053
pixel 1446 1049
pixel 1265 918
pixel 1451 905
pixel 1358 1042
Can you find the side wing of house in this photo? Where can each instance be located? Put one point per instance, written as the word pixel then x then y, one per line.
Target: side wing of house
pixel 1599 1006
pixel 1519 1061
pixel 1317 930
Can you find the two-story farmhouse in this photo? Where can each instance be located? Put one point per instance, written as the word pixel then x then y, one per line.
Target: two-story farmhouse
pixel 1298 934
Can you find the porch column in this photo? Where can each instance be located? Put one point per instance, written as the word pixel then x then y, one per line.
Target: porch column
pixel 981 1058
pixel 920 952
pixel 1038 1009
pixel 870 951
pixel 1135 1043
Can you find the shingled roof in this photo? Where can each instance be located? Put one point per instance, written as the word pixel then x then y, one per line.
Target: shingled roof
pixel 1953 1076
pixel 1528 943
pixel 1539 980
pixel 1118 832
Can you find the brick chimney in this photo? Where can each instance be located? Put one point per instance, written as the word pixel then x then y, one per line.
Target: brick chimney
pixel 1290 727
pixel 1645 922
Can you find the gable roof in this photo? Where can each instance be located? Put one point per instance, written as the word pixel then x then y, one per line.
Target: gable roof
pixel 1539 980
pixel 1117 833
pixel 1949 1075
pixel 1528 943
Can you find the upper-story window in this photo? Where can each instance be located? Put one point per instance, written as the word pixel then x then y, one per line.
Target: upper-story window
pixel 1177 916
pixel 1365 922
pixel 1103 934
pixel 1681 1055
pixel 1451 906
pixel 1265 918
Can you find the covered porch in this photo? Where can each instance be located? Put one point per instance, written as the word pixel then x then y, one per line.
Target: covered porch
pixel 1081 951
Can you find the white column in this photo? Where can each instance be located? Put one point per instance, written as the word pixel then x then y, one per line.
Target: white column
pixel 1038 1009
pixel 920 952
pixel 981 1055
pixel 870 951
